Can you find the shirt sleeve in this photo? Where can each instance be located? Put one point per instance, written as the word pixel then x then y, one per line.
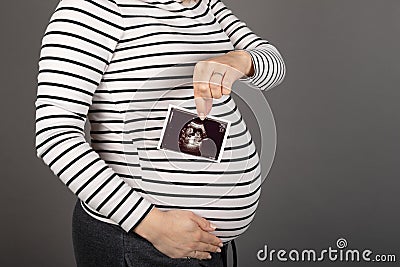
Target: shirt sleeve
pixel 77 46
pixel 269 67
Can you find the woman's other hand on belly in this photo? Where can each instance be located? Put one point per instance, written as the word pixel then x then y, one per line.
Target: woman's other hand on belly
pixel 179 233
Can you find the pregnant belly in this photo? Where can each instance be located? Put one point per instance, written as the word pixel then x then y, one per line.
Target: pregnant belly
pixel 225 193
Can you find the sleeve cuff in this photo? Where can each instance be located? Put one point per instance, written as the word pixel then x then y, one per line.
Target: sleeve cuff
pixel 129 228
pixel 135 215
pixel 269 68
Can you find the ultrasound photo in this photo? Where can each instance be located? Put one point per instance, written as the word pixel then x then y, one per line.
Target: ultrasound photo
pixel 185 132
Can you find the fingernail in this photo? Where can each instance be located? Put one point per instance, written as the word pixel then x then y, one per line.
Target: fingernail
pixel 218 250
pixel 209 257
pixel 221 245
pixel 213 226
pixel 202 117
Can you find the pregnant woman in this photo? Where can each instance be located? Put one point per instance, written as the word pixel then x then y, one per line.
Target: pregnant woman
pixel 120 63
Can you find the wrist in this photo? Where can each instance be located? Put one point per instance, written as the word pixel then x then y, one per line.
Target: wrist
pixel 149 228
pixel 245 60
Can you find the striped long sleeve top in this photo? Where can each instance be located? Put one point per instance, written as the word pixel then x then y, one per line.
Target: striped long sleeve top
pixel 119 64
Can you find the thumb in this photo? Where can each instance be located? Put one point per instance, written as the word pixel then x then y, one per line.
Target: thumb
pixel 204 224
pixel 203 106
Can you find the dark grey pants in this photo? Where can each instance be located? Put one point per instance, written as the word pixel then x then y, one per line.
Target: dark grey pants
pixel 101 244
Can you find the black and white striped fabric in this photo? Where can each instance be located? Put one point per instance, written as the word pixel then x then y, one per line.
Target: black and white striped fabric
pixel 120 64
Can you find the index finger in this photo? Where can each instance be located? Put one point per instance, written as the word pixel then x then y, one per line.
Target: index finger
pixel 208 238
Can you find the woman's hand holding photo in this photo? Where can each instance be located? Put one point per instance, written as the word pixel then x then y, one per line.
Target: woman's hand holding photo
pixel 215 76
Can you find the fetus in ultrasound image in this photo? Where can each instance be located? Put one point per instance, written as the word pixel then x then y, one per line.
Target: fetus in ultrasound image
pixel 185 132
pixel 193 139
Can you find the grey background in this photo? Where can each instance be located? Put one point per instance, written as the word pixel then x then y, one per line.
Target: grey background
pixel 336 170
